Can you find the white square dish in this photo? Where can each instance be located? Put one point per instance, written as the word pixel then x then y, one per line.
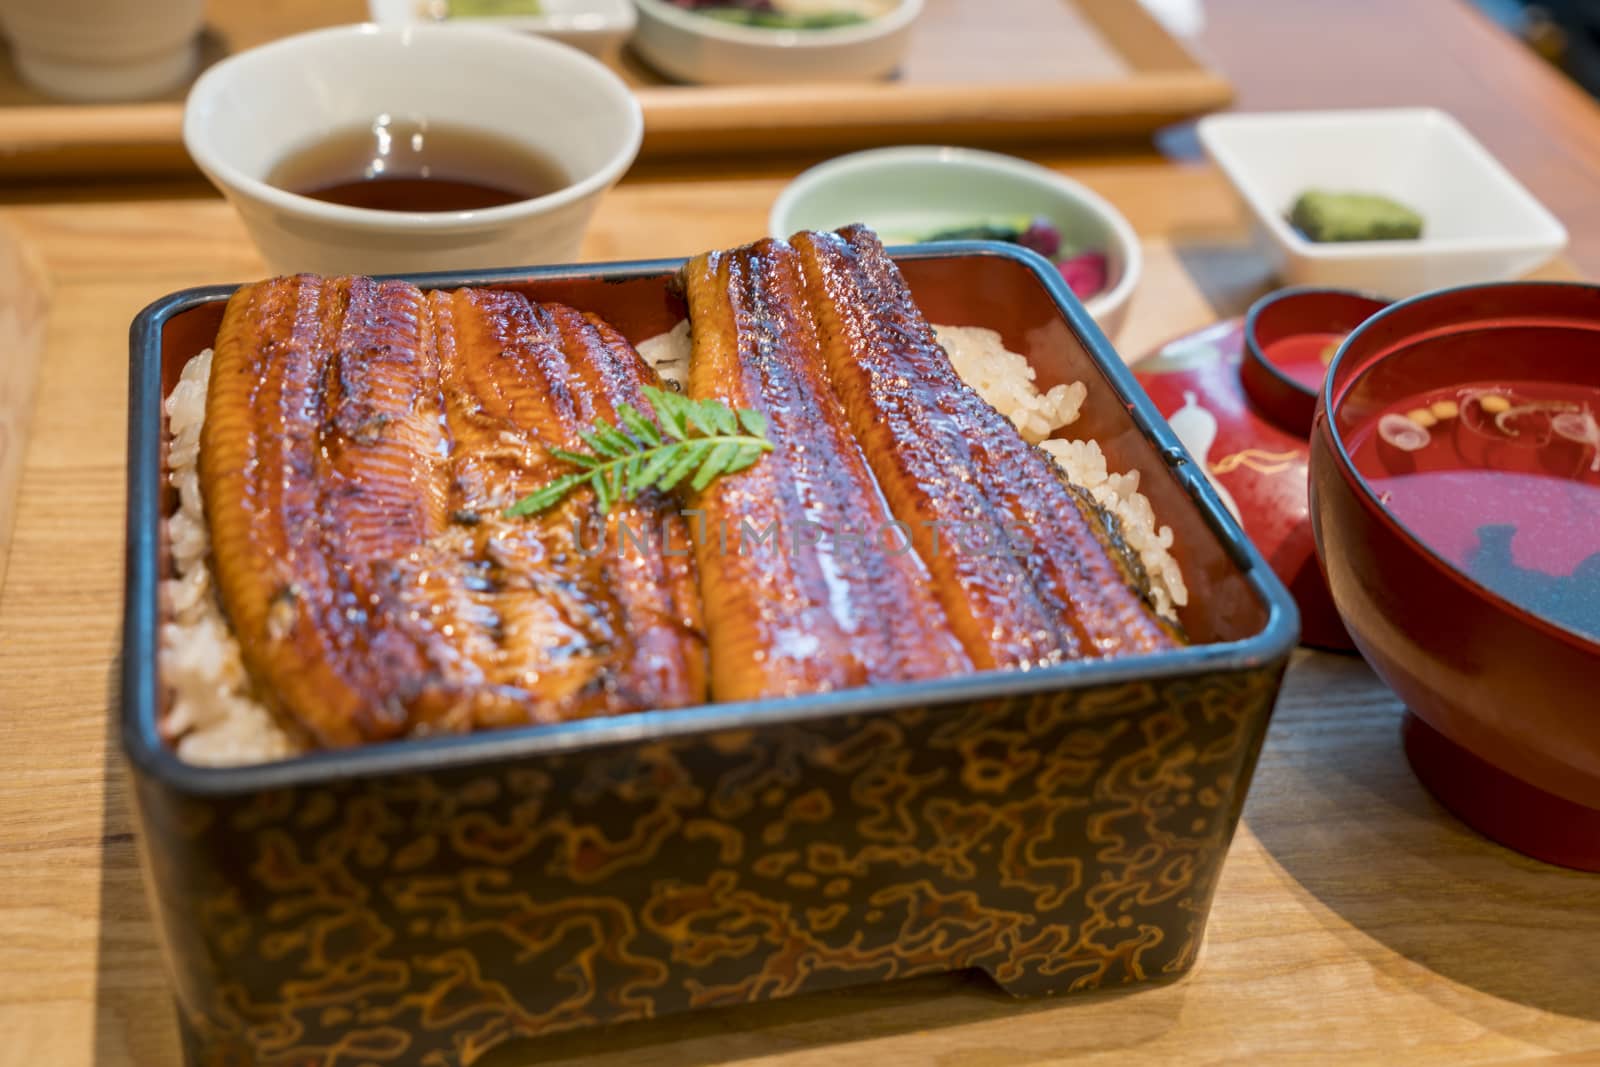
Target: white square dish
pixel 1479 223
pixel 599 27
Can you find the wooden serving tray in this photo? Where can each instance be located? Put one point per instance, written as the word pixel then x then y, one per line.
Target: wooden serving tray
pixel 978 72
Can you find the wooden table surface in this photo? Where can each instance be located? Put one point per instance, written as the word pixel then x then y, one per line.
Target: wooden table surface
pixel 1355 921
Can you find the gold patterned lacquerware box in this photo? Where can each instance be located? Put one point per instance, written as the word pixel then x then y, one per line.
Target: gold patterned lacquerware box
pixel 422 902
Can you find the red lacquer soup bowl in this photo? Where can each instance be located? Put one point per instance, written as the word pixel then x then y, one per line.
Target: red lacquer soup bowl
pixel 1455 499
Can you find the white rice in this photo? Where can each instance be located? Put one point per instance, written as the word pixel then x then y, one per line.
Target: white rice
pixel 1119 494
pixel 669 354
pixel 212 715
pixel 211 718
pixel 1005 380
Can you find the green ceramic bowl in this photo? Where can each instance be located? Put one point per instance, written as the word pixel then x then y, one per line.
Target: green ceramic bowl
pixel 907 192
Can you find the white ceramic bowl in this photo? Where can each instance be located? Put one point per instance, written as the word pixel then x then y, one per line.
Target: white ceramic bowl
pixel 247 113
pixel 906 192
pixel 103 49
pixel 1479 223
pixel 599 27
pixel 694 48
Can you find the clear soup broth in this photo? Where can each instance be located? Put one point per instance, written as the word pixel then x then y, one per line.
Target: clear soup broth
pixel 1500 477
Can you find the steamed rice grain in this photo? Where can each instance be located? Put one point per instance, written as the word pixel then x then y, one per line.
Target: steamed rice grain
pixel 212 717
pixel 1005 380
pixel 668 354
pixel 1119 494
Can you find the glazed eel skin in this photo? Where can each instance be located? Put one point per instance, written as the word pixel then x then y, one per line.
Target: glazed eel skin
pixel 361 440
pixel 806 585
pixel 1028 570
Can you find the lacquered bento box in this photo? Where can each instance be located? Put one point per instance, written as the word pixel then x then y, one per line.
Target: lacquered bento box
pixel 421 902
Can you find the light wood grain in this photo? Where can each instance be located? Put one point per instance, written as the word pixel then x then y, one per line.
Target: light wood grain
pixel 23 299
pixel 1355 922
pixel 1049 68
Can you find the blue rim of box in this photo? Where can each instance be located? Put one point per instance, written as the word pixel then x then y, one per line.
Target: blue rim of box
pixel 153 757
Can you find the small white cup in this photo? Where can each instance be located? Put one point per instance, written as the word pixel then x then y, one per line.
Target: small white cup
pixel 247 113
pixel 103 49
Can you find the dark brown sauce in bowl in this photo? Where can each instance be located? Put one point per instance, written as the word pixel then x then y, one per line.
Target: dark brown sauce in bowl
pixel 410 165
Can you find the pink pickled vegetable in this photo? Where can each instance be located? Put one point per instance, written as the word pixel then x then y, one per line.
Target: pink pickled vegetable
pixel 1086 273
pixel 1041 236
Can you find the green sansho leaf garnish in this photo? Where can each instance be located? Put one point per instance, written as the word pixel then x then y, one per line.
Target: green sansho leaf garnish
pixel 697 440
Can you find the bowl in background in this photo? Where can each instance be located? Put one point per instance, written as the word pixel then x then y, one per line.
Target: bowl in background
pixel 599 27
pixel 248 112
pixel 702 50
pixel 1479 223
pixel 906 192
pixel 89 50
pixel 1505 728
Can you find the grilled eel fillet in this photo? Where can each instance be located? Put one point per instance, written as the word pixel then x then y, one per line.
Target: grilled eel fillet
pixel 1057 588
pixel 824 603
pixel 361 439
